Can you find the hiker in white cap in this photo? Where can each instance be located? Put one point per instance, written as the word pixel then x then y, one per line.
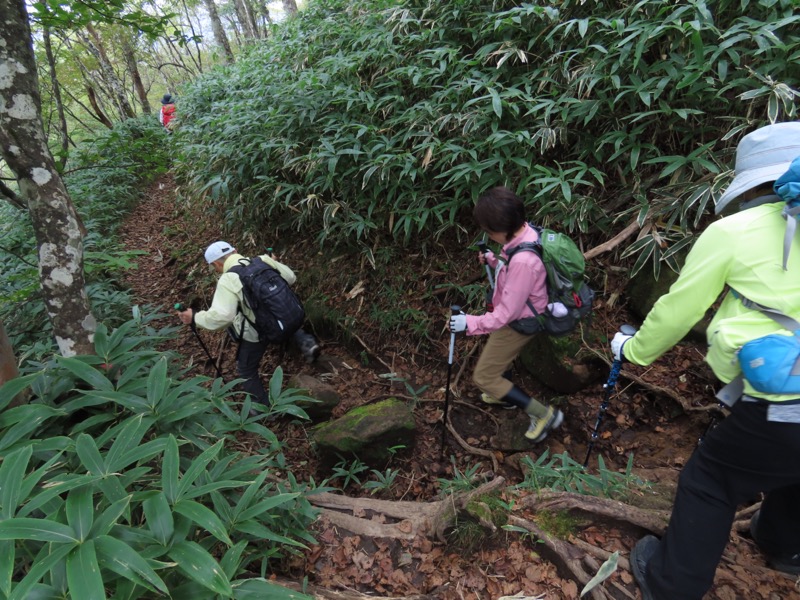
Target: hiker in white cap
pixel 754 450
pixel 230 310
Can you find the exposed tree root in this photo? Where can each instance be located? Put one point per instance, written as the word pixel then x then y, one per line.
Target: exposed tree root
pixel 568 557
pixel 319 593
pixel 402 520
pixel 652 520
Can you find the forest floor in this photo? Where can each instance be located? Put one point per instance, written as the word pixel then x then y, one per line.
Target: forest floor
pixel 644 417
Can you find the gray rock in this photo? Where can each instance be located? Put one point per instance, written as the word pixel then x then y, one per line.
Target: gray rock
pixel 325 395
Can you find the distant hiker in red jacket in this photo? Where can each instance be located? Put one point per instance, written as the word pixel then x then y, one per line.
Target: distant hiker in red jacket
pixel 167 112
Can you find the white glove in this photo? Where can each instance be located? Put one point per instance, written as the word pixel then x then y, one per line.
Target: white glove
pixel 617 343
pixel 458 323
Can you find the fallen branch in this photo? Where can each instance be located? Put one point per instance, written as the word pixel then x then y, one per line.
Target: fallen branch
pixel 616 240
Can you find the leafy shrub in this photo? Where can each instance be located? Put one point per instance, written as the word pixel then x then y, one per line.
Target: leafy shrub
pixel 118 478
pixel 360 118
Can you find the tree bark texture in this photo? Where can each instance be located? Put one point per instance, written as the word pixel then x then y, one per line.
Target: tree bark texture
pixel 219 31
pixel 133 68
pixel 98 112
pixel 244 19
pixel 55 222
pixel 112 80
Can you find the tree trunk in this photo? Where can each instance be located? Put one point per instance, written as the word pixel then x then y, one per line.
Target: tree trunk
pixel 56 224
pixel 244 19
pixel 263 11
pixel 98 112
pixel 62 119
pixel 290 6
pixel 219 31
pixel 133 68
pixel 250 11
pixel 96 49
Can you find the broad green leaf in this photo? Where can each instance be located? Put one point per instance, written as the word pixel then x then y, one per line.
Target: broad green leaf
pixel 145 451
pixel 52 490
pixel 197 467
pixel 39 569
pixel 11 388
pixel 83 573
pixel 40 530
pixel 250 494
pixel 264 505
pixel 27 419
pixel 157 382
pixel 80 510
pixel 170 470
pixel 127 438
pixel 109 517
pixel 90 455
pixel 201 567
pixel 87 373
pixel 119 557
pixel 159 517
pixel 12 471
pixel 233 559
pixel 7 556
pixel 132 402
pixel 204 517
pixel 258 589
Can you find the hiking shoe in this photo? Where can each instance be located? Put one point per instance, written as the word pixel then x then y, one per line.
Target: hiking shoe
pixel 785 564
pixel 540 427
pixel 487 399
pixel 309 348
pixel 640 555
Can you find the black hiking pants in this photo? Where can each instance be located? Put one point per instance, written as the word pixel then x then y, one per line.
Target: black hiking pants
pixel 247 363
pixel 741 457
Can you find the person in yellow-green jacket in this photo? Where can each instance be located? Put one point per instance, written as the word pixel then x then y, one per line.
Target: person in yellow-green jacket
pixel 755 449
pixel 228 310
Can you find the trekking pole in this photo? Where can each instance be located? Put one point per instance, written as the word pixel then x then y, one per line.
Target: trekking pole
pixel 490 292
pixel 455 310
pixel 609 387
pixel 181 307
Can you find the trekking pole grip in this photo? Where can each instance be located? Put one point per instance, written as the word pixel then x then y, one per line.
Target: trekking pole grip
pixel 482 248
pixel 455 309
pixel 179 306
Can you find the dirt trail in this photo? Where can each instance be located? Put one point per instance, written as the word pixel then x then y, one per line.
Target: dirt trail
pixel 639 420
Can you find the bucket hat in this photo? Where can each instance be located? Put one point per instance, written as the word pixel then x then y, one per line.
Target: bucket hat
pixel 167 99
pixel 217 250
pixel 761 156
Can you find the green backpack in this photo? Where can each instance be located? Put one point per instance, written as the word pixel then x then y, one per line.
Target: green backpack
pixel 565 266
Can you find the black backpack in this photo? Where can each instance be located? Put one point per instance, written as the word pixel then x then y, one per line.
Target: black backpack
pixel 278 311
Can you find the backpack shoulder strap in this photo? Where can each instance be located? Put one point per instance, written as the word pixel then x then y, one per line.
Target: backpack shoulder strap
pixel 789 213
pixel 535 247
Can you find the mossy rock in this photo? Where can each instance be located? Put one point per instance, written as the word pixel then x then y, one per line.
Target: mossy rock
pixel 370 432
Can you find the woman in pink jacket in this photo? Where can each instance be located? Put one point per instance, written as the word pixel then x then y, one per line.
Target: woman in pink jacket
pixel 519 284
